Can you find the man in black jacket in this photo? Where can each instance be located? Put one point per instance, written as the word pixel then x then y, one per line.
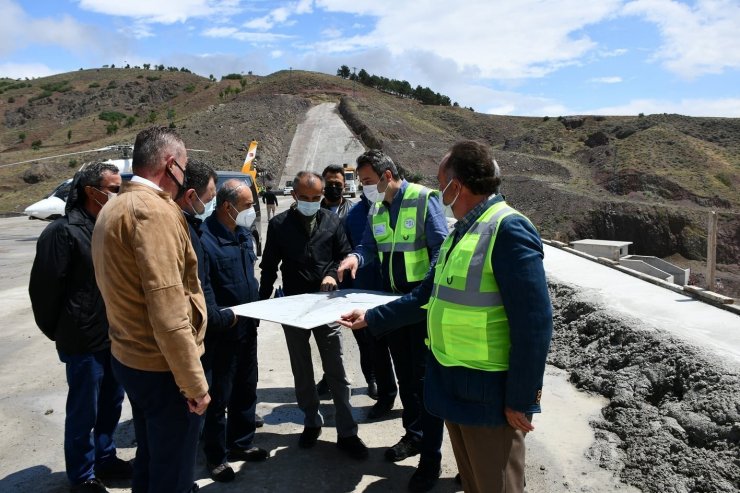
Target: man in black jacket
pixel 69 310
pixel 309 242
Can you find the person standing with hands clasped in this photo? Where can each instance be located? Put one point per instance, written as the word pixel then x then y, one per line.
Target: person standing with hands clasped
pixel 147 272
pixel 489 323
pixel 307 243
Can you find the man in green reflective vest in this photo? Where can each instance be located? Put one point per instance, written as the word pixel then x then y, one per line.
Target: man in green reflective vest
pixel 489 323
pixel 406 228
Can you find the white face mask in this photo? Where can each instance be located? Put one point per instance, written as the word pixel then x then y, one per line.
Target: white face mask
pixel 308 209
pixel 207 209
pixel 246 218
pixel 372 193
pixel 448 207
pixel 110 195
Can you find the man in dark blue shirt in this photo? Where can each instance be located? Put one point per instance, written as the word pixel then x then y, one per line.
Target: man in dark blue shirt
pixel 231 352
pixel 493 309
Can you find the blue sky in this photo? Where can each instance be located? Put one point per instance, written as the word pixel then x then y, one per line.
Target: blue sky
pixel 511 57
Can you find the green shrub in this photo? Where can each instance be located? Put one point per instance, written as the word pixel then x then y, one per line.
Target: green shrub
pixel 93 85
pixel 231 77
pixel 36 145
pixel 44 94
pixel 111 116
pixel 111 128
pixel 61 86
pixel 152 117
pixel 112 84
pixel 72 163
pixel 130 121
pixel 190 88
pixel 152 78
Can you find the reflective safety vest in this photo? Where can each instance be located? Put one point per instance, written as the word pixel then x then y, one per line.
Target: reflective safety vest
pixel 466 320
pixel 409 236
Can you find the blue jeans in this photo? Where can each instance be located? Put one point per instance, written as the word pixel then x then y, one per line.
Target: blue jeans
pixel 94 404
pixel 233 383
pixel 166 431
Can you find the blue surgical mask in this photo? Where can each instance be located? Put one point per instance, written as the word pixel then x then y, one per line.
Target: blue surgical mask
pixel 308 209
pixel 207 209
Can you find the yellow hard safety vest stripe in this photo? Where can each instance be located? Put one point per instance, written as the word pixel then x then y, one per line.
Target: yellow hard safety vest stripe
pixel 466 320
pixel 409 236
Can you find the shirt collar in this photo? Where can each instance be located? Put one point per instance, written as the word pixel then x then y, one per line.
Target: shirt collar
pixel 144 181
pixel 463 225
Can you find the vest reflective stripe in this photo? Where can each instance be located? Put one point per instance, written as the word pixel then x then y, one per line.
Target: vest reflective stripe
pixel 409 236
pixel 466 320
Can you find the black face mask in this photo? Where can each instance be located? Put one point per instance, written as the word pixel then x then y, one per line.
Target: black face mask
pixel 333 193
pixel 181 187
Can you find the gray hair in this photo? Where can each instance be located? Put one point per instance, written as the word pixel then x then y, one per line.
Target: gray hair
pixel 311 177
pixel 229 191
pixel 151 144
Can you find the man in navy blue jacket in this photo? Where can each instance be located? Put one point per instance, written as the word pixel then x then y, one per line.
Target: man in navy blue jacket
pixel 407 227
pixel 488 397
pixel 231 352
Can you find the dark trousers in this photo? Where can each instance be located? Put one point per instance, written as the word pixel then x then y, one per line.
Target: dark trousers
pixel 94 404
pixel 409 353
pixel 166 432
pixel 385 377
pixel 329 342
pixel 232 365
pixel 365 346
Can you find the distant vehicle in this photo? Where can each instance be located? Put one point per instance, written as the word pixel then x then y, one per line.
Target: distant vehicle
pixel 53 206
pixel 288 187
pixel 351 183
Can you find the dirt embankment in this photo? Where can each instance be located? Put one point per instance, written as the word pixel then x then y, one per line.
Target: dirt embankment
pixel 673 420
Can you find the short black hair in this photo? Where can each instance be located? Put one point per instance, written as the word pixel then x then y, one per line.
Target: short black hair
pixel 333 169
pixel 473 164
pixel 91 175
pixel 379 161
pixel 150 144
pixel 197 175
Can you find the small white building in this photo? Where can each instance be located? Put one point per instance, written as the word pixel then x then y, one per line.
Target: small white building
pixel 613 250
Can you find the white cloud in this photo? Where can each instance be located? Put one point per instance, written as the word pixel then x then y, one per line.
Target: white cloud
pixel 18 30
pixel 698 39
pixel 254 37
pixel 720 107
pixel 161 11
pixel 331 32
pixel 502 40
pixel 276 53
pixel 22 70
pixel 280 15
pixel 606 80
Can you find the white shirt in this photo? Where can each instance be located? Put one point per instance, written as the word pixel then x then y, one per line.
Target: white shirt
pixel 144 181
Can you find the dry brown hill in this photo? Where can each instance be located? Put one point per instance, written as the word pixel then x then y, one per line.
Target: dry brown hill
pixel 649 179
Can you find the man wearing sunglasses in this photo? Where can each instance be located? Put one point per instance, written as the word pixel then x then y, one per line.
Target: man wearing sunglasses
pixel 147 271
pixel 68 308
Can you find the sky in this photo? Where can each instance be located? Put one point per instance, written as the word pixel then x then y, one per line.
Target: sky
pixel 506 57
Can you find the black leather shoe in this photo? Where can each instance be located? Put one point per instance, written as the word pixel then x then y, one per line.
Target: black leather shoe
pixel 458 478
pixel 114 469
pixel 405 448
pixel 380 409
pixel 259 421
pixel 425 476
pixel 223 473
pixel 93 485
pixel 322 388
pixel 309 437
pixel 353 446
pixel 251 454
pixel 372 390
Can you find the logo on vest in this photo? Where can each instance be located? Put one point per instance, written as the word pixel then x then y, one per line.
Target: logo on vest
pixel 379 229
pixel 409 223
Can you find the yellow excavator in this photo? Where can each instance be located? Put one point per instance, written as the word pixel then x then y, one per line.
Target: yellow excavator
pixel 247 167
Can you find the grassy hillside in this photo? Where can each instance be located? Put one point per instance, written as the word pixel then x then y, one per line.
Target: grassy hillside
pixel 650 179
